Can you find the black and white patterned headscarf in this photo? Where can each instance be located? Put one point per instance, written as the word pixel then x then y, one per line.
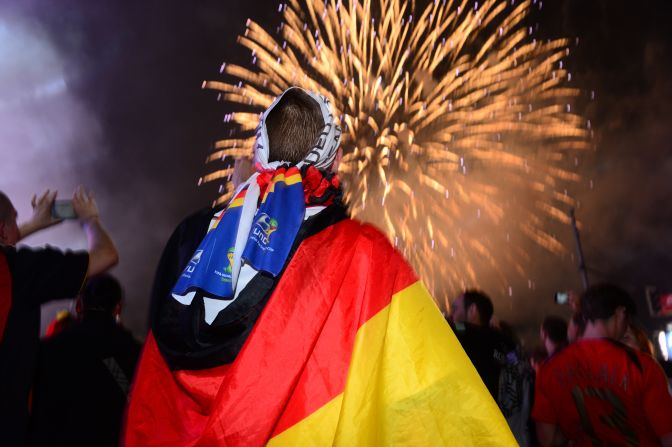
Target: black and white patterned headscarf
pixel 321 156
pixel 323 153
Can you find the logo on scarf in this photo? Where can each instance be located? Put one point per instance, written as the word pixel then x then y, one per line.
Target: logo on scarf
pixel 229 256
pixel 192 264
pixel 225 274
pixel 263 229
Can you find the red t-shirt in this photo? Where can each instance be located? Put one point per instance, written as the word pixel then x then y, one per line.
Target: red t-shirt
pixel 599 392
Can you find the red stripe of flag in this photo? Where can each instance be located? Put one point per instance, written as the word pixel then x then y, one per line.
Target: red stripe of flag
pixel 326 371
pixel 295 360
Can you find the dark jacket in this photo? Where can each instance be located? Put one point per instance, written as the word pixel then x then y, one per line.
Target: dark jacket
pixel 81 385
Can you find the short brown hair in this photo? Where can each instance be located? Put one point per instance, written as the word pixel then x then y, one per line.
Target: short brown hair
pixel 555 329
pixel 600 302
pixel 101 293
pixel 293 126
pixel 483 304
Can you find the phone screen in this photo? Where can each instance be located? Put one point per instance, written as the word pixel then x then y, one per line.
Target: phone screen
pixel 561 297
pixel 62 209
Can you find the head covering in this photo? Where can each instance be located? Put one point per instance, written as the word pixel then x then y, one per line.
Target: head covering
pixel 261 236
pixel 323 153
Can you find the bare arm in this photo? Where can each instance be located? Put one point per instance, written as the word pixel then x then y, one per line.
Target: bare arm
pixel 41 217
pixel 102 251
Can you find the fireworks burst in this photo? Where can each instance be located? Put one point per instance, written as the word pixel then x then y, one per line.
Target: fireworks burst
pixel 457 128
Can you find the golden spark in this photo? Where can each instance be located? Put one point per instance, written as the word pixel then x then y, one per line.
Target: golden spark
pixel 458 132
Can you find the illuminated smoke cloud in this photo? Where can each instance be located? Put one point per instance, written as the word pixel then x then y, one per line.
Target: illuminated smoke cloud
pixel 460 136
pixel 48 137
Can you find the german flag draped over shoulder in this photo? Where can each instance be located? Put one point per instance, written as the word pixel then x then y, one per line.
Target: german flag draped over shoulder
pixel 350 349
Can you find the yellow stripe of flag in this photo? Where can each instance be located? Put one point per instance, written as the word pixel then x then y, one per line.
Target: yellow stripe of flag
pixel 218 219
pixel 237 202
pixel 409 383
pixel 291 180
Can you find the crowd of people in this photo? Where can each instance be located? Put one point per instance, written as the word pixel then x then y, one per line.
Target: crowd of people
pixel 280 320
pixel 594 381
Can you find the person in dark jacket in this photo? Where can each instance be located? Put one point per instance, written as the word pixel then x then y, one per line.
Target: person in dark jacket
pixel 486 346
pixel 30 277
pixel 83 373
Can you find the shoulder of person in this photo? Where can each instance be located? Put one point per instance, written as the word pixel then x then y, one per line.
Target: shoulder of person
pixel 200 218
pixel 371 233
pixel 473 335
pixel 561 356
pixel 128 337
pixel 353 229
pixel 192 228
pixel 7 250
pixel 490 334
pixel 501 336
pixel 645 362
pixel 25 252
pixel 58 343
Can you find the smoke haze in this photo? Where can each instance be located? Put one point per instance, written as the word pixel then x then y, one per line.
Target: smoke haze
pixel 107 94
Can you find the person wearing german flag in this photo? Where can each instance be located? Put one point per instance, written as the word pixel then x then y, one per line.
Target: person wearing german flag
pixel 281 321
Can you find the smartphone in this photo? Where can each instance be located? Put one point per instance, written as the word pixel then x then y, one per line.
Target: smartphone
pixel 561 297
pixel 62 209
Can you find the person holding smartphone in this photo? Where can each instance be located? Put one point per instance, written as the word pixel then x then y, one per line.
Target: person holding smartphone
pixel 30 277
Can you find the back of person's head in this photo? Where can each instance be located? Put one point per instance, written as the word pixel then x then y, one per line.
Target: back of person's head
pixel 293 126
pixel 103 294
pixel 600 302
pixel 482 302
pixel 555 328
pixel 6 208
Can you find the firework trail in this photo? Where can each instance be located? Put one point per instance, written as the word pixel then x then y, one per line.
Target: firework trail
pixel 457 130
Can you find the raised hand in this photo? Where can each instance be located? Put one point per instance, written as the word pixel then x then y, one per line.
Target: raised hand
pixel 84 204
pixel 42 217
pixel 102 252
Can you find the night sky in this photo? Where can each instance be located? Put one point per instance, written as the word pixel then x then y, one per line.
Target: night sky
pixel 108 94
